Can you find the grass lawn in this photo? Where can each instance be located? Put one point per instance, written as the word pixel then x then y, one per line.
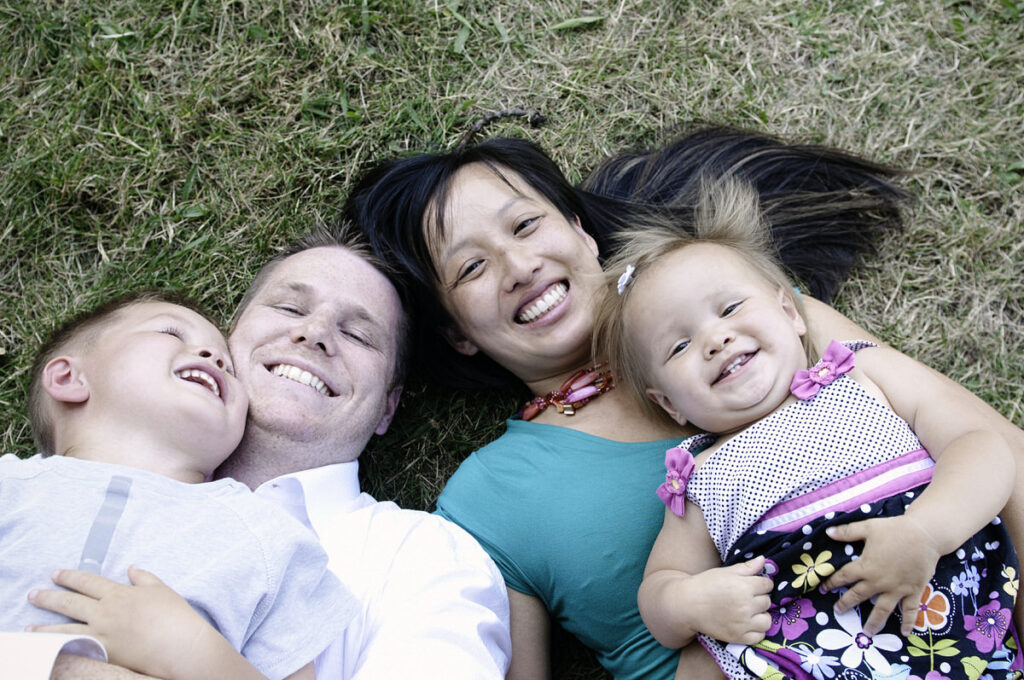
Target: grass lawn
pixel 148 143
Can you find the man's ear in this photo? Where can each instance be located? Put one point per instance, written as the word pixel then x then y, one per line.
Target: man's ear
pixel 64 380
pixel 663 401
pixel 789 307
pixel 591 243
pixel 459 342
pixel 389 412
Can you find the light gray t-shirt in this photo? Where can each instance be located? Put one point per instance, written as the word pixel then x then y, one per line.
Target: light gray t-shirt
pixel 249 568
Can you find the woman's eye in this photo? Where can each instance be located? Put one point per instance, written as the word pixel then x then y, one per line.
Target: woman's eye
pixel 468 271
pixel 679 347
pixel 525 225
pixel 287 309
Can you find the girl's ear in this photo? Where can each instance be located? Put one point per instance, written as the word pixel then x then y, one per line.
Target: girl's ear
pixel 663 400
pixel 789 307
pixel 591 243
pixel 459 342
pixel 64 380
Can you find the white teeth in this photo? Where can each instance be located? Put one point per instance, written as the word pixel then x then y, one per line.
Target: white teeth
pixel 196 375
pixel 300 376
pixel 732 366
pixel 538 308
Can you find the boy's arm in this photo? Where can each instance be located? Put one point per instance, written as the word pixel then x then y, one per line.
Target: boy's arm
pixel 971 455
pixel 144 626
pixel 685 591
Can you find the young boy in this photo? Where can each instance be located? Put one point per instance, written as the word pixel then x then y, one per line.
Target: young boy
pixel 138 401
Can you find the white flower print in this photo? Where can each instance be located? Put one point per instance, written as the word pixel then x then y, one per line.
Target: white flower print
pixel 816 663
pixel 966 582
pixel 856 644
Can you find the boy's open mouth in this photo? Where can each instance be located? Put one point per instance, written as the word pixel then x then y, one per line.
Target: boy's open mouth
pixel 201 377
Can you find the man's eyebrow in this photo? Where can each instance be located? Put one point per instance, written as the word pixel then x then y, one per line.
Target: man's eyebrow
pixel 290 286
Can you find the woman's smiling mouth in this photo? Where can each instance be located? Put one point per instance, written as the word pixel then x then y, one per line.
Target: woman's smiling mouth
pixel 544 303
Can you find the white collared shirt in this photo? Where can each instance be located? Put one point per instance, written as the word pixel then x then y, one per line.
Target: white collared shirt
pixel 434 604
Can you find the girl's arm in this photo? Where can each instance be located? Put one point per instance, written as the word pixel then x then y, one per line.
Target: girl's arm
pixel 972 481
pixel 685 591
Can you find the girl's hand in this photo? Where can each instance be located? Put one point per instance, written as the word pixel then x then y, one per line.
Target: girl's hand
pixel 143 626
pixel 898 560
pixel 731 603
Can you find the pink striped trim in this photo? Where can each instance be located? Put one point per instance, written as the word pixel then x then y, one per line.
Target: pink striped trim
pixel 879 481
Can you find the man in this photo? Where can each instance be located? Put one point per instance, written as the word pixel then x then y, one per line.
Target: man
pixel 318 343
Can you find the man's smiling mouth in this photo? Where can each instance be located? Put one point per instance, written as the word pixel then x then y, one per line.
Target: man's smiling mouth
pixel 301 376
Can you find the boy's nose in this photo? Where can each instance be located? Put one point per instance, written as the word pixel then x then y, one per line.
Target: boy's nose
pixel 217 359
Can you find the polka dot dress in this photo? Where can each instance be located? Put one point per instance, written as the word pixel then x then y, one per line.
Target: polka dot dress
pixel 799 448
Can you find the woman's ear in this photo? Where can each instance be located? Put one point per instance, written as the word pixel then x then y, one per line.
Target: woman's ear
pixel 665 403
pixel 459 342
pixel 789 307
pixel 64 380
pixel 591 243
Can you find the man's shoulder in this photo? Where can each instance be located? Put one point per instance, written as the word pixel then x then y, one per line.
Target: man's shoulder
pixel 387 529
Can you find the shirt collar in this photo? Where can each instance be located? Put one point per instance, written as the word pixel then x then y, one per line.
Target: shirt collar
pixel 311 495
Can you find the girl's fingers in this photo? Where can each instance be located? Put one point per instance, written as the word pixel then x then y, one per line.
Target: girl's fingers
pixel 70 604
pixel 879 614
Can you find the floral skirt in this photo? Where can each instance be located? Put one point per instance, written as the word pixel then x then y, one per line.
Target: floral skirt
pixel 963 629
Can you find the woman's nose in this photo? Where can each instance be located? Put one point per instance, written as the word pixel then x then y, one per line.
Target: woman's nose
pixel 520 266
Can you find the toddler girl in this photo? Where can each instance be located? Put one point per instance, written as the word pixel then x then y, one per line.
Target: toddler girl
pixel 858 479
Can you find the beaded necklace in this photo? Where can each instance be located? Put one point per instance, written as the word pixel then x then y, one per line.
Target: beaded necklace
pixel 582 386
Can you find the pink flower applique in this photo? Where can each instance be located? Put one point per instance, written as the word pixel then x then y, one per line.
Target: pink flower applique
pixel 988 627
pixel 679 467
pixel 837 360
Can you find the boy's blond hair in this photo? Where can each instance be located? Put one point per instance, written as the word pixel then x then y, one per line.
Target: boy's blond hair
pixel 727 215
pixel 76 334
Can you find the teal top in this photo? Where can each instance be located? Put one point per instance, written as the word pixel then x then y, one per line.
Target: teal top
pixel 570 518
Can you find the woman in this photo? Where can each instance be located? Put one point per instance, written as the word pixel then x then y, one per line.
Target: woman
pixel 502 259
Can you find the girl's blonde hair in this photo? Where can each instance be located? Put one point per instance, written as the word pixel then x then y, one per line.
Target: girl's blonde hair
pixel 728 215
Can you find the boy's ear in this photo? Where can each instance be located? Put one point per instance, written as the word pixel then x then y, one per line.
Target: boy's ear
pixel 663 400
pixel 789 307
pixel 64 380
pixel 459 342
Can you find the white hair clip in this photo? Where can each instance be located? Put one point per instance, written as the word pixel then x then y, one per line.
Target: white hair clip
pixel 626 277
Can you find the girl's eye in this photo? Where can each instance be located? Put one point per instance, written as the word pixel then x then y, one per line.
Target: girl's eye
pixel 679 347
pixel 171 330
pixel 525 225
pixel 729 309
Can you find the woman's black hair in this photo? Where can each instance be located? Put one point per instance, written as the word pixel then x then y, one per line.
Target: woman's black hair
pixel 825 208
